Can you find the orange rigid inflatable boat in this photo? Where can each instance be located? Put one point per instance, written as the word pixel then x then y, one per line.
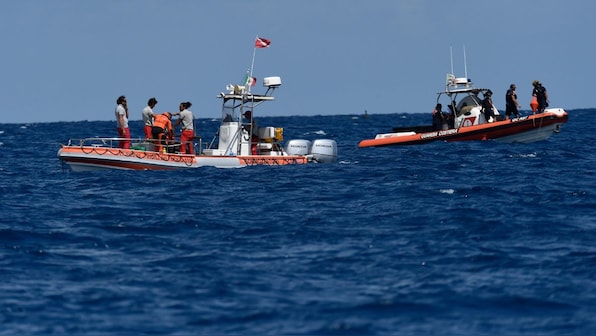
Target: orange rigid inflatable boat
pixel 466 121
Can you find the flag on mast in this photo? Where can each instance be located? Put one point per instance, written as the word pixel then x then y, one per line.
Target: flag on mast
pixel 250 81
pixel 262 42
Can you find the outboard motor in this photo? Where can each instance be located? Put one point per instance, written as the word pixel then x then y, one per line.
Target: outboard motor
pixel 298 147
pixel 324 151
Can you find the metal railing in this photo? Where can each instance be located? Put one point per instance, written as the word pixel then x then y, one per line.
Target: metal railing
pixel 171 146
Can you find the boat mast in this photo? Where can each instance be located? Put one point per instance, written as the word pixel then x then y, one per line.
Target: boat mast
pixel 465 64
pixel 451 55
pixel 252 64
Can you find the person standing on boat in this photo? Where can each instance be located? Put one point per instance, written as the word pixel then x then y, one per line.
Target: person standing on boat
pixel 122 120
pixel 511 104
pixel 438 118
pixel 186 118
pixel 162 127
pixel 148 117
pixel 540 93
pixel 487 106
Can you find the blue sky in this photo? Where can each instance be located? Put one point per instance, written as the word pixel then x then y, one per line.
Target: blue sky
pixel 69 60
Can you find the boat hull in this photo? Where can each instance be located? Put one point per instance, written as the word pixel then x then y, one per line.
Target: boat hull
pixel 526 129
pixel 90 158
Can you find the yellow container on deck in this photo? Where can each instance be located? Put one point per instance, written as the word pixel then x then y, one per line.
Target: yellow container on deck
pixel 279 134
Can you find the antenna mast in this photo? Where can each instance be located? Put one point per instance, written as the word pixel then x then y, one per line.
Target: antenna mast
pixel 252 65
pixel 465 63
pixel 451 54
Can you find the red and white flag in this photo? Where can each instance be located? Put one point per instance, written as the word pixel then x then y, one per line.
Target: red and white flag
pixel 262 42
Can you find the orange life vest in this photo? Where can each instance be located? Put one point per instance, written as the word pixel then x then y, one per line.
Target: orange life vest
pixel 534 104
pixel 162 120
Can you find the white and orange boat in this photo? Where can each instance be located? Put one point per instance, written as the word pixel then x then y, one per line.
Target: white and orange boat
pixel 469 123
pixel 237 143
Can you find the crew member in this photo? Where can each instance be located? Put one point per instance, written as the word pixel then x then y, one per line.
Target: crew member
pixel 187 135
pixel 438 117
pixel 121 113
pixel 162 127
pixel 487 107
pixel 252 129
pixel 539 92
pixel 511 104
pixel 148 117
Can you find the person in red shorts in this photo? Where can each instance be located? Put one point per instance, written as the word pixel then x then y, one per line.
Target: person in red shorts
pixel 122 123
pixel 148 116
pixel 186 119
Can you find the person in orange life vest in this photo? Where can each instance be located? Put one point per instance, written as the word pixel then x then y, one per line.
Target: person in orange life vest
pixel 148 117
pixel 121 113
pixel 162 127
pixel 185 118
pixel 253 130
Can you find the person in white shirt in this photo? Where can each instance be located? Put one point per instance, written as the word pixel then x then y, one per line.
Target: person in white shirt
pixel 122 122
pixel 186 119
pixel 148 117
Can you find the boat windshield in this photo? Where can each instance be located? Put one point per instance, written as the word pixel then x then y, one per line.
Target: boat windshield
pixel 469 100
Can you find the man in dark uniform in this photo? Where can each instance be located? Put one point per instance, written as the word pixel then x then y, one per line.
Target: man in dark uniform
pixel 540 93
pixel 487 106
pixel 511 104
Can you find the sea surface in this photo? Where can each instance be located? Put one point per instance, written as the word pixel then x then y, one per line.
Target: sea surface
pixel 470 238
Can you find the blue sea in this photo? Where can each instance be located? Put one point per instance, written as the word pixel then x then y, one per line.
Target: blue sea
pixel 469 238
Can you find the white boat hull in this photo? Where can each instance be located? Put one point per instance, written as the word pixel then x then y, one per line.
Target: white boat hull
pixel 82 158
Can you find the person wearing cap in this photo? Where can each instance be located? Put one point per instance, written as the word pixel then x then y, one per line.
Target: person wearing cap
pixel 438 118
pixel 250 124
pixel 186 119
pixel 121 113
pixel 539 92
pixel 162 126
pixel 251 127
pixel 148 117
pixel 487 106
pixel 511 104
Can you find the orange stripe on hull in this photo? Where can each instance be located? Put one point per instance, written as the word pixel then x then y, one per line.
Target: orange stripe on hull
pixel 128 153
pixel 254 160
pixel 119 164
pixel 103 157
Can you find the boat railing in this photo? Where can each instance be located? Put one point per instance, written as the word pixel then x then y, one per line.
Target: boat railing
pixel 99 142
pixel 171 146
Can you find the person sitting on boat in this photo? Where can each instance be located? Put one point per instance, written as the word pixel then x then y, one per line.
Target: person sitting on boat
pixel 251 127
pixel 228 118
pixel 122 120
pixel 162 129
pixel 187 135
pixel 148 117
pixel 539 92
pixel 450 117
pixel 487 106
pixel 438 118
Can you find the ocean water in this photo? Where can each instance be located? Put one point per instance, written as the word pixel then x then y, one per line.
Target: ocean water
pixel 471 238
